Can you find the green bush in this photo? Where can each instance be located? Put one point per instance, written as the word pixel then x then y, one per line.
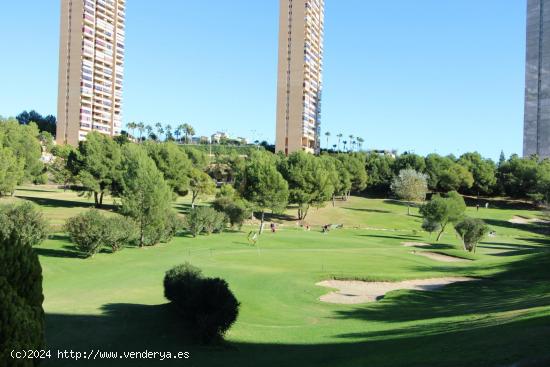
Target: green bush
pixel 172 225
pixel 206 303
pixel 41 179
pixel 21 313
pixel 23 224
pixel 205 220
pixel 118 232
pixel 471 231
pixel 179 281
pixel 86 231
pixel 92 230
pixel 236 210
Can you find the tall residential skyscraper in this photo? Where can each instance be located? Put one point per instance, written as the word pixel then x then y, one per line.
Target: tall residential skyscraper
pixel 91 67
pixel 299 85
pixel 536 132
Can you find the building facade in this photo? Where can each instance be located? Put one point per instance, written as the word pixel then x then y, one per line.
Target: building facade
pixel 91 68
pixel 299 84
pixel 536 133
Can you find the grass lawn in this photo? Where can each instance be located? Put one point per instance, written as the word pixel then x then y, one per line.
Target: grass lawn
pixel 115 302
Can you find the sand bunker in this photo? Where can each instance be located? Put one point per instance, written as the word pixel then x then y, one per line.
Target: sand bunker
pixel 415 244
pixel 440 257
pixel 355 291
pixel 522 220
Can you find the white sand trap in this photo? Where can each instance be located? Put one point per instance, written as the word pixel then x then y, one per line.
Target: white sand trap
pixel 522 220
pixel 440 257
pixel 415 244
pixel 354 291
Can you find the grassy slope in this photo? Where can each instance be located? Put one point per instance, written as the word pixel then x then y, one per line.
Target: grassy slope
pixel 115 302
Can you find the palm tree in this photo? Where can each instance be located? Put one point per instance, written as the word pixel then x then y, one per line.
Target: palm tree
pixel 177 133
pixel 131 127
pixel 360 141
pixel 141 129
pixel 334 147
pixel 149 129
pixel 345 142
pixel 168 129
pixel 185 130
pixel 181 128
pixel 351 142
pixel 339 136
pixel 190 131
pixel 159 128
pixel 327 134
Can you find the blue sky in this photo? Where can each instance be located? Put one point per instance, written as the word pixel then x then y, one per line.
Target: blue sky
pixel 423 76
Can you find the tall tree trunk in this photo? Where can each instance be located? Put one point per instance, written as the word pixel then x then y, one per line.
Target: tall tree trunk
pixel 333 203
pixel 440 233
pixel 101 199
pixel 304 212
pixel 261 224
pixel 193 198
pixel 408 208
pixel 95 200
pixel 141 235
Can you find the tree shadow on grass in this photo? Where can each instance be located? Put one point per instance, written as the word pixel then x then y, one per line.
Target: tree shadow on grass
pixel 268 217
pixel 120 327
pixel 396 237
pixel 58 203
pixel 472 201
pixel 56 252
pixel 537 245
pixel 157 328
pixel 366 210
pixel 536 228
pixel 33 190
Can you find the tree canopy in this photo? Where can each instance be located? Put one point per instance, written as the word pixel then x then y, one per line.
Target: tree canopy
pixel 146 197
pixel 23 141
pixel 174 164
pixel 263 185
pixel 96 164
pixel 410 186
pixel 310 182
pixel 441 211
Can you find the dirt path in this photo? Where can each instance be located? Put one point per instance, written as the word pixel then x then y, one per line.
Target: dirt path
pixel 355 291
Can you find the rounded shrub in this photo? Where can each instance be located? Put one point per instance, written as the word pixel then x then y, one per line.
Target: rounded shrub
pixel 87 231
pixel 92 230
pixel 205 220
pixel 207 304
pixel 236 210
pixel 23 224
pixel 118 232
pixel 217 308
pixel 172 225
pixel 179 281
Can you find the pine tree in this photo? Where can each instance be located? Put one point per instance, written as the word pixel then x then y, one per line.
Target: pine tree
pixel 146 196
